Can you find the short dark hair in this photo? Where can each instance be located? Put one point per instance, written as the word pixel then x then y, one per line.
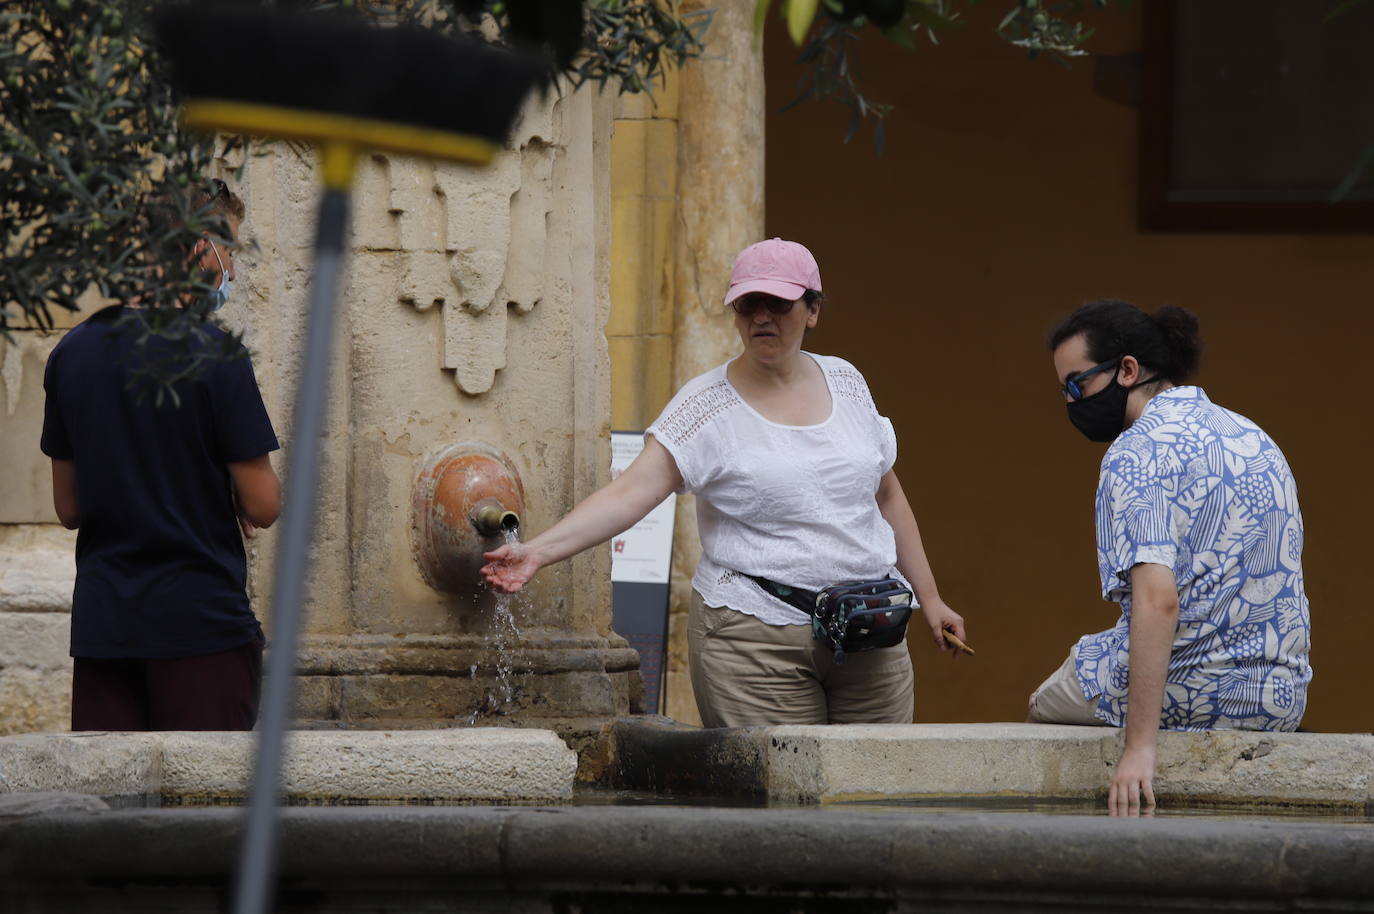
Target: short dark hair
pixel 216 196
pixel 811 297
pixel 1167 341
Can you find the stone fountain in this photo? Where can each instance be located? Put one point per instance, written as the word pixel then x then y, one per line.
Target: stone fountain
pixel 470 397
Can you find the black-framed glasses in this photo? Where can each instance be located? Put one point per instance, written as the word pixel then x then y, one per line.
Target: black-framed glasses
pixel 748 305
pixel 1073 384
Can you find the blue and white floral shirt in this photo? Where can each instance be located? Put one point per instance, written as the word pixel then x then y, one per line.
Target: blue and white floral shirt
pixel 1204 491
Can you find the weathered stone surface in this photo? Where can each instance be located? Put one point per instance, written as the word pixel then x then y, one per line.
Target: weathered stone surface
pixel 103 764
pixel 663 756
pixel 37 567
pixel 678 860
pixel 37 570
pixel 26 485
pixel 483 765
pixel 35 700
pixel 473 309
pixel 39 641
pixel 876 762
pixel 23 805
pixel 809 764
pixel 1231 766
pixel 487 765
pixel 458 698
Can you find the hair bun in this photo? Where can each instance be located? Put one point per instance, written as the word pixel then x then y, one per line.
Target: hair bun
pixel 1181 332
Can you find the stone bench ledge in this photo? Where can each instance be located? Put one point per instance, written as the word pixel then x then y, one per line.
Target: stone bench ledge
pixel 816 764
pixel 483 765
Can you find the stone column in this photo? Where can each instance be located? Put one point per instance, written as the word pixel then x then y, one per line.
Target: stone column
pixel 474 309
pixel 720 169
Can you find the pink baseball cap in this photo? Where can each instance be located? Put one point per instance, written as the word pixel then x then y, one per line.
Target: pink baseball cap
pixel 775 267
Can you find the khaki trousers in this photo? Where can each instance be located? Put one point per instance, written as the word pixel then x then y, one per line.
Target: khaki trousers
pixel 1059 700
pixel 749 674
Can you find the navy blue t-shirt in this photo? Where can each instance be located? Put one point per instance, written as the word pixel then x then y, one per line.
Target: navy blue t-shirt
pixel 160 566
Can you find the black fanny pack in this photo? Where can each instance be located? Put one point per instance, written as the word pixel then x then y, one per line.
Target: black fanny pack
pixel 847 618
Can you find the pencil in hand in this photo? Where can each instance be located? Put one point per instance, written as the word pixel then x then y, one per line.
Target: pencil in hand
pixel 953 640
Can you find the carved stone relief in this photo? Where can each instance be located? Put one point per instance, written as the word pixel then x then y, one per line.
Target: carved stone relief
pixel 472 242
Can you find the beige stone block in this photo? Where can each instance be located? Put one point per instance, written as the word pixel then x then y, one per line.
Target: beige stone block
pixel 35 700
pixel 641 267
pixel 37 568
pixel 826 764
pixel 318 698
pixel 1286 768
pixel 641 379
pixel 104 764
pixel 486 764
pixel 459 698
pixel 26 484
pixel 644 159
pixel 439 698
pixel 38 641
pixel 838 763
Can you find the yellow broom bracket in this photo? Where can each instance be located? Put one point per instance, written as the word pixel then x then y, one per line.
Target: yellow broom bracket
pixel 329 129
pixel 337 159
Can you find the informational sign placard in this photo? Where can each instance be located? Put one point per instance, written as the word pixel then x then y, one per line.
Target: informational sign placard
pixel 642 554
pixel 641 559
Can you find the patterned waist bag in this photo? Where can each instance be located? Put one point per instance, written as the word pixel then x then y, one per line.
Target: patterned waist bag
pixel 853 617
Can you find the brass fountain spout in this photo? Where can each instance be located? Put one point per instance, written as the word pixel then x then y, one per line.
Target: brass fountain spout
pixel 491 519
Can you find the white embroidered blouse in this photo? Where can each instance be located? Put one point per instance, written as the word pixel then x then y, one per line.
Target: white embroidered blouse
pixel 795 504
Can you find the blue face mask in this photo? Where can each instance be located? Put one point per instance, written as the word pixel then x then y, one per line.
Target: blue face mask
pixel 226 285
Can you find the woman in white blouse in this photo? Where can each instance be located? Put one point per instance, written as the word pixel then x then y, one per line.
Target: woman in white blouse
pixel 791 464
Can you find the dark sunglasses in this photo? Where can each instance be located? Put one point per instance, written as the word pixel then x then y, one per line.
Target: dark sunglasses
pixel 1073 384
pixel 748 305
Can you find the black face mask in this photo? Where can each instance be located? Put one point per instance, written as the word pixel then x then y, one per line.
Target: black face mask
pixel 1102 416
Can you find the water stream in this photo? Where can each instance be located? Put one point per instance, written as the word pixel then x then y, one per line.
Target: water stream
pixel 504 638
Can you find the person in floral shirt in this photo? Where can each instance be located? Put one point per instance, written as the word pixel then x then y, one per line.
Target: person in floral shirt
pixel 1199 540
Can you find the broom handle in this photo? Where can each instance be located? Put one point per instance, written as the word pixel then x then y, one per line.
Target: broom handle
pixel 257 856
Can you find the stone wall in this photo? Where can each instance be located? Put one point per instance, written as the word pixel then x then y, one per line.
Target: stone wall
pixel 478 305
pixel 37 567
pixel 37 564
pixel 474 308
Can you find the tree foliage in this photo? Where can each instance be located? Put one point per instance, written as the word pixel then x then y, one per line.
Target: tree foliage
pixel 97 174
pixel 829 34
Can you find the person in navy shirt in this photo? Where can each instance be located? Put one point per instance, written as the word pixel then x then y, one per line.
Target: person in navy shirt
pixel 163 637
pixel 1199 541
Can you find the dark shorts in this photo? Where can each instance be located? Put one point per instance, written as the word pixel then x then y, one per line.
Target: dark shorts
pixel 210 692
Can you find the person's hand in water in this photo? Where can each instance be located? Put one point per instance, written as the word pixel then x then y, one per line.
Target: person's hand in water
pixel 510 567
pixel 941 618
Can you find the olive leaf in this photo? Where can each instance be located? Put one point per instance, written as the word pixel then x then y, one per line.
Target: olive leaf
pixel 800 15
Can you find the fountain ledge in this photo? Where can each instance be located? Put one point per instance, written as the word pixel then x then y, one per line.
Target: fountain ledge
pixel 827 764
pixel 478 765
pixel 777 765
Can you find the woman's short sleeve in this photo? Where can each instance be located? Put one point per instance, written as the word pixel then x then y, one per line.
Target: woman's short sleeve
pixel 888 443
pixel 685 429
pixel 848 383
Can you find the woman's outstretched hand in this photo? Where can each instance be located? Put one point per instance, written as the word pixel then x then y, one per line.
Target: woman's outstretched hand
pixel 941 619
pixel 510 567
